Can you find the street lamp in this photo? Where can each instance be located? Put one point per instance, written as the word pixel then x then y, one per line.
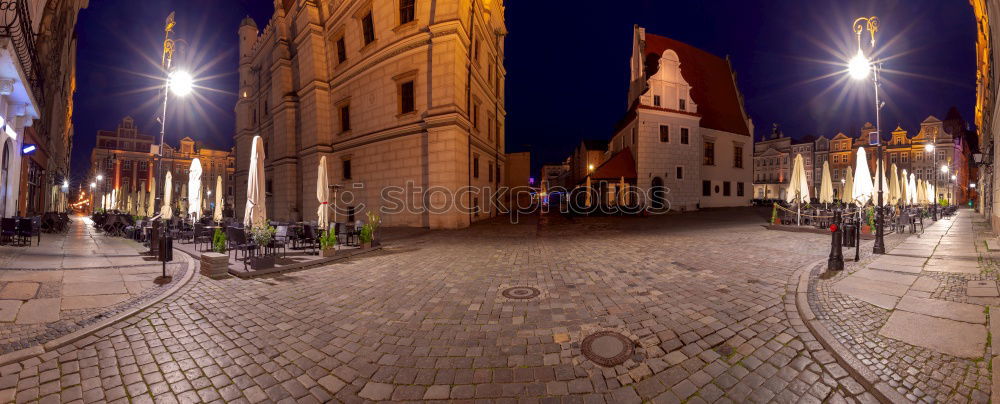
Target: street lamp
pixel 858 67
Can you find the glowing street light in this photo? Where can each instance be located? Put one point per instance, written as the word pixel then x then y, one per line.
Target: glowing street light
pixel 100 178
pixel 180 82
pixel 858 67
pixel 944 169
pixel 929 148
pixel 93 185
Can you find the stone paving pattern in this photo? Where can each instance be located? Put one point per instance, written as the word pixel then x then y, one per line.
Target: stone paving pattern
pixel 425 319
pixel 918 373
pixel 69 281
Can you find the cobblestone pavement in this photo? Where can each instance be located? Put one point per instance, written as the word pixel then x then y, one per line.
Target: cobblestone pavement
pixel 919 374
pixel 702 295
pixel 69 281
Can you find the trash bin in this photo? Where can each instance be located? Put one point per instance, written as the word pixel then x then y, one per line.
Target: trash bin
pixel 166 252
pixel 849 236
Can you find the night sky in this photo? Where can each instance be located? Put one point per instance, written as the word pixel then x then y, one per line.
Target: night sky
pixel 567 67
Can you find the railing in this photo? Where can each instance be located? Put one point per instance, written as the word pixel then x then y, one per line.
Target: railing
pixel 15 23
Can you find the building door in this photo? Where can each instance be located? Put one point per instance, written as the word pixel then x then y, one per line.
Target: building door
pixel 657 193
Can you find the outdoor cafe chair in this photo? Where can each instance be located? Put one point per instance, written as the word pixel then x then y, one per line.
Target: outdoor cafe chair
pixel 309 237
pixel 281 238
pixel 36 228
pixel 8 229
pixel 202 235
pixel 238 242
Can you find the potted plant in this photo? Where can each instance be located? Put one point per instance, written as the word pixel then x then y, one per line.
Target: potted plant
pixel 328 243
pixel 869 223
pixel 774 215
pixel 262 236
pixel 219 241
pixel 366 236
pixel 374 221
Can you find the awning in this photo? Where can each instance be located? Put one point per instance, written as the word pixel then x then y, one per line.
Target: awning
pixel 620 165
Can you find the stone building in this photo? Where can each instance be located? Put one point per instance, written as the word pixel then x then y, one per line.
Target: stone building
pixel 686 128
pixel 126 161
pixel 37 81
pixel 587 156
pixel 773 157
pixel 403 96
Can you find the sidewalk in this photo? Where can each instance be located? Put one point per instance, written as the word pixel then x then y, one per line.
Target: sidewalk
pixel 70 281
pixel 917 316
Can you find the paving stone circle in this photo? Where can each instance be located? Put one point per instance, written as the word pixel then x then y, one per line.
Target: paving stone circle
pixel 521 292
pixel 607 348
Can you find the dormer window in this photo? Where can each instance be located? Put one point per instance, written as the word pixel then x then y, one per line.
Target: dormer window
pixel 656 100
pixel 683 105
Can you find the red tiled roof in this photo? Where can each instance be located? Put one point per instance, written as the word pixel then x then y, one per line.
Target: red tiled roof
pixel 620 165
pixel 712 82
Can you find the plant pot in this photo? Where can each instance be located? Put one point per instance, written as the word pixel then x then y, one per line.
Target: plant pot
pixel 366 244
pixel 866 229
pixel 262 262
pixel 329 252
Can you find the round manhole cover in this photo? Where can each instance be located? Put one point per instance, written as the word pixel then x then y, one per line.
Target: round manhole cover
pixel 607 348
pixel 520 292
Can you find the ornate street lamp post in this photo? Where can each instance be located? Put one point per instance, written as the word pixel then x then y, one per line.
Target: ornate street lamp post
pixel 934 203
pixel 858 67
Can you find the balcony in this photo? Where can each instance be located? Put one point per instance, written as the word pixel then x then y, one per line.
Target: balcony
pixel 15 24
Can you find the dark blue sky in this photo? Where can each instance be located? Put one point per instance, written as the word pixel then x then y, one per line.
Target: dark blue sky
pixel 567 67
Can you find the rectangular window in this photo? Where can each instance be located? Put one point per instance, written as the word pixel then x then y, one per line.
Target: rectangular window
pixel 368 28
pixel 709 154
pixel 656 100
pixel 341 50
pixel 475 116
pixel 684 135
pixel 345 118
pixel 739 189
pixel 706 188
pixel 475 167
pixel 904 157
pixel 738 156
pixel 406 98
pixel 680 172
pixel 725 188
pixel 683 104
pixel 406 11
pixel 664 133
pixel 346 167
pixel 267 187
pixel 128 164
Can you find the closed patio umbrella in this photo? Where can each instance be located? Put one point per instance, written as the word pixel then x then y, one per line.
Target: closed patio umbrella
pixel 167 211
pixel 151 202
pixel 880 173
pixel 194 190
pixel 141 206
pixel 848 185
pixel 893 185
pixel 255 214
pixel 826 185
pixel 798 185
pixel 861 193
pixel 322 194
pixel 217 216
pixel 588 192
pixel 182 201
pixel 621 192
pixel 903 185
pixel 911 190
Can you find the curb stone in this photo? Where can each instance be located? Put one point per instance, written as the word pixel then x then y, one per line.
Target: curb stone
pixel 51 346
pixel 882 391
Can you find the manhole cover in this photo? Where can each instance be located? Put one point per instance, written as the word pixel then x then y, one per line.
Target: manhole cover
pixel 520 292
pixel 607 348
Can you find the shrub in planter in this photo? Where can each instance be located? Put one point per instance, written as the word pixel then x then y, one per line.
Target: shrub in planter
pixel 219 241
pixel 374 221
pixel 366 236
pixel 328 243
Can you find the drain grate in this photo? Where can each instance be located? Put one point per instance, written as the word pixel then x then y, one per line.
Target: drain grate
pixel 521 292
pixel 607 348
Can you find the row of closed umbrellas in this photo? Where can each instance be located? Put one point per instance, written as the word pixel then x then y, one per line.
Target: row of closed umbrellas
pixel 898 187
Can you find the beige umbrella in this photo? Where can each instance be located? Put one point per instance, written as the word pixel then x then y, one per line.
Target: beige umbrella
pixel 587 202
pixel 893 185
pixel 848 185
pixel 826 185
pixel 880 173
pixel 218 199
pixel 798 187
pixel 931 193
pixel 255 214
pixel 861 192
pixel 150 206
pixel 129 204
pixel 911 190
pixel 167 211
pixel 141 206
pixel 322 195
pixel 194 190
pixel 182 202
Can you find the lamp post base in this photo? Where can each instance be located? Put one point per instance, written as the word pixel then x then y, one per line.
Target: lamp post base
pixel 163 280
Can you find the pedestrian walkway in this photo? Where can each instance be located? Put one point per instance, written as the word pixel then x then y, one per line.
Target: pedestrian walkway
pixel 68 281
pixel 917 315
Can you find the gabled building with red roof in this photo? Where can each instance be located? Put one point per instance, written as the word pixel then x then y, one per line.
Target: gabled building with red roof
pixel 686 127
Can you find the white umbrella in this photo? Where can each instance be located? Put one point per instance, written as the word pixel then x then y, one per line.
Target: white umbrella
pixel 322 194
pixel 861 193
pixel 152 199
pixel 911 190
pixel 848 185
pixel 128 204
pixel 218 199
pixel 931 193
pixel 141 206
pixel 903 185
pixel 194 189
pixel 880 173
pixel 255 214
pixel 166 211
pixel 826 185
pixel 894 186
pixel 798 185
pixel 181 201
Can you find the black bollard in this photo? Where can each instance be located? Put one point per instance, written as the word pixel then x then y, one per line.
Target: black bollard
pixel 836 260
pixel 857 239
